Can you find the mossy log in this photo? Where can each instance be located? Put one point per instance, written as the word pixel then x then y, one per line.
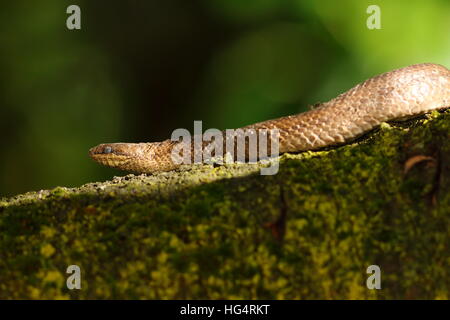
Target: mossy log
pixel 224 232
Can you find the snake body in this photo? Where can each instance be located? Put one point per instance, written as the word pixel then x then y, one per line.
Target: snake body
pixel 398 94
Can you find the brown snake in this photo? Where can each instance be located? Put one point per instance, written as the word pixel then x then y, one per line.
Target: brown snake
pixel 398 94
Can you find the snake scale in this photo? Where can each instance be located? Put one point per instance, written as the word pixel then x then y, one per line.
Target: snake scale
pixel 398 94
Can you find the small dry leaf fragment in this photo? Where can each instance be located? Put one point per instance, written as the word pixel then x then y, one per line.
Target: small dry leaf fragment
pixel 411 162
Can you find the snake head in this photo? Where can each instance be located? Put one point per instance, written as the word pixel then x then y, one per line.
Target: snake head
pixel 123 156
pixel 133 157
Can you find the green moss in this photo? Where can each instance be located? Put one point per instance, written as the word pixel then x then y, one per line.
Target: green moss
pixel 308 232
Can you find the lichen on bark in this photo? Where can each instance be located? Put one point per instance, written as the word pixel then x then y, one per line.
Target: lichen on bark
pixel 308 232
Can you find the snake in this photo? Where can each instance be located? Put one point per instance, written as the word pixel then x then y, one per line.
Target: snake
pixel 399 94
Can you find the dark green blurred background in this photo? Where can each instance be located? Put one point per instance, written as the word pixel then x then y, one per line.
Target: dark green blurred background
pixel 139 69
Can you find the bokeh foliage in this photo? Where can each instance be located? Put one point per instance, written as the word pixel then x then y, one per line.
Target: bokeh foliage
pixel 139 69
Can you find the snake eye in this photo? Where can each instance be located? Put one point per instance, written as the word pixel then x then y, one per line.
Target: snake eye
pixel 107 150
